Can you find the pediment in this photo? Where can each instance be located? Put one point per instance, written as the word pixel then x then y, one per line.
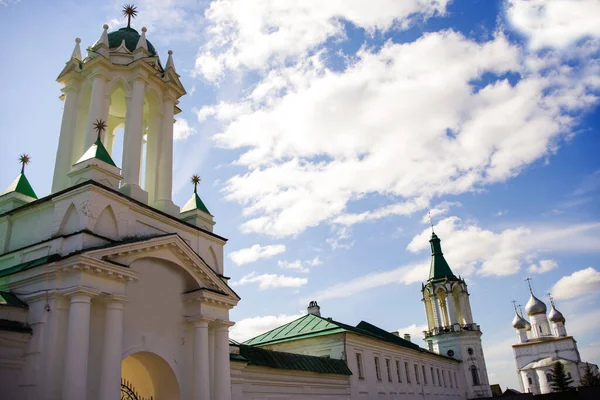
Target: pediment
pixel 171 248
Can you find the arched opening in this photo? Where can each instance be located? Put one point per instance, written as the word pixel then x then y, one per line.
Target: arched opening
pixel 441 295
pixel 429 310
pixel 145 375
pixel 474 375
pixel 549 377
pixel 458 305
pixel 80 124
pixel 107 224
pixel 113 140
pixel 151 142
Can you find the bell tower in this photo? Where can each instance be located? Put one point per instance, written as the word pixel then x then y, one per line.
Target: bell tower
pixel 451 330
pixel 122 82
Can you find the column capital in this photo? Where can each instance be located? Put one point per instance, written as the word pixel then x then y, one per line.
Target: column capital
pixel 138 78
pixel 199 319
pixel 71 87
pixel 80 291
pixel 221 324
pixel 99 74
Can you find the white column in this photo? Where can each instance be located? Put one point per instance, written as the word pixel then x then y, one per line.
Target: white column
pixel 165 156
pixel 66 139
pixel 110 378
pixel 97 110
pixel 132 145
pixel 201 361
pixel 222 369
pixel 435 310
pixel 452 309
pixel 211 360
pixel 469 315
pixel 78 343
pixel 152 146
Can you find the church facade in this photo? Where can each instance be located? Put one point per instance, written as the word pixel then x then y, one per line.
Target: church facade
pixel 543 342
pixel 108 289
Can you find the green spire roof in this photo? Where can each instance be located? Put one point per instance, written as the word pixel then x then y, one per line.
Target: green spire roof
pixel 20 185
pixel 439 267
pixel 97 150
pixel 195 203
pixel 130 36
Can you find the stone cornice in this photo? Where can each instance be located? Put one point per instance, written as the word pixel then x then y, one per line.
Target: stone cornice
pixel 204 295
pixel 80 290
pixel 84 263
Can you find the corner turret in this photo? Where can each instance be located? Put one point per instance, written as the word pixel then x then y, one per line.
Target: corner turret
pixel 20 191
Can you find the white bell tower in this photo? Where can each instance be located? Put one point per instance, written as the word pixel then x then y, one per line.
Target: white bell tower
pixel 122 82
pixel 451 330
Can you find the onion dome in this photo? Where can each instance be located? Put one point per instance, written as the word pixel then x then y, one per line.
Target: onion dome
pixel 518 322
pixel 555 315
pixel 527 326
pixel 535 306
pixel 131 38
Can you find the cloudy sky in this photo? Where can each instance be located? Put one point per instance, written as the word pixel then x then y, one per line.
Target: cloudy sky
pixel 325 131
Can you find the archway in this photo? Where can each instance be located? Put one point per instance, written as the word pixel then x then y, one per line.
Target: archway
pixel 145 375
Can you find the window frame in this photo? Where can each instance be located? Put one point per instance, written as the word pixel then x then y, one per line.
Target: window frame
pixel 377 368
pixel 432 377
pixel 360 366
pixel 388 366
pixel 424 375
pixel 407 370
pixel 417 379
pixel 398 371
pixel 439 377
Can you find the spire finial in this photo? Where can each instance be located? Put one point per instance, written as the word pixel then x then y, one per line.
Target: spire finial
pixel 514 303
pixel 529 284
pixel 99 126
pixel 430 221
pixel 550 298
pixel 24 159
pixel 129 11
pixel 520 308
pixel 195 180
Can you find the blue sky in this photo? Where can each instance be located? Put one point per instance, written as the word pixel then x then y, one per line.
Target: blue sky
pixel 325 132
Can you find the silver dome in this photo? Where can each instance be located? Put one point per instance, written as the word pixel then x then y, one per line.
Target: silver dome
pixel 518 322
pixel 556 316
pixel 527 325
pixel 535 306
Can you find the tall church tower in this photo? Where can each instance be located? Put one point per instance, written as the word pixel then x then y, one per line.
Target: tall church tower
pixel 451 330
pixel 122 82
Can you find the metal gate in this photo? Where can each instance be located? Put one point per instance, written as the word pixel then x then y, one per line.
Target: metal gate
pixel 128 392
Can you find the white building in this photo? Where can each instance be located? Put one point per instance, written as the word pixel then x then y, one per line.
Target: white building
pixel 385 365
pixel 542 343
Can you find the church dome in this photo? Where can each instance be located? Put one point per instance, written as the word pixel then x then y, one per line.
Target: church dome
pixel 535 306
pixel 519 323
pixel 556 316
pixel 131 37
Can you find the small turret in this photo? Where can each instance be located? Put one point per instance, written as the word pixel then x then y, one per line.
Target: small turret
pixel 77 50
pixel 20 191
pixel 557 320
pixel 195 212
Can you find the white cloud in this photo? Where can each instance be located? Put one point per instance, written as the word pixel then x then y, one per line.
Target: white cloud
pixel 258 33
pixel 255 253
pixel 270 281
pixel 299 265
pixel 543 266
pixel 578 283
pixel 248 328
pixel 439 210
pixel 555 23
pixel 182 129
pixel 470 249
pixel 415 331
pixel 415 134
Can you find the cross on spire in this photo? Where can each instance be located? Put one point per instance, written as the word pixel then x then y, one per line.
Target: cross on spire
pixel 130 11
pixel 520 308
pixel 529 284
pixel 514 303
pixel 550 298
pixel 195 180
pixel 430 221
pixel 24 159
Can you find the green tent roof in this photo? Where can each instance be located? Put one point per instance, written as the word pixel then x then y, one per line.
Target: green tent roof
pixel 131 37
pixel 97 150
pixel 20 185
pixel 307 326
pixel 195 203
pixel 439 267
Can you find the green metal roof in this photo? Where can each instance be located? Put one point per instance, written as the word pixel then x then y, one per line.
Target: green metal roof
pixel 195 203
pixel 277 359
pixel 439 267
pixel 29 264
pixel 20 185
pixel 97 150
pixel 131 37
pixel 304 327
pixel 9 299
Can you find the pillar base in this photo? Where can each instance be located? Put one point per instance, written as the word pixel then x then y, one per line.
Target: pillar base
pixel 135 192
pixel 167 206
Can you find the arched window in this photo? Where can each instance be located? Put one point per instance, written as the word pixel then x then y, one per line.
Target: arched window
pixel 540 328
pixel 529 380
pixel 475 375
pixel 549 377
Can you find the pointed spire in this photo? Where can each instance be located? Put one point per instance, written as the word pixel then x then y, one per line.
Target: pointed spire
pixel 170 63
pixel 21 184
pixel 101 46
pixel 142 43
pixel 77 50
pixel 195 203
pixel 97 150
pixel 439 266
